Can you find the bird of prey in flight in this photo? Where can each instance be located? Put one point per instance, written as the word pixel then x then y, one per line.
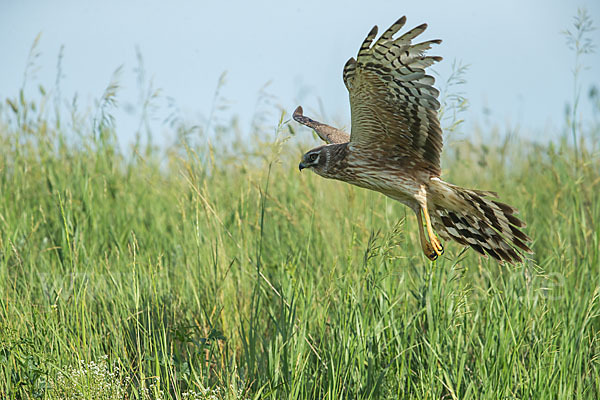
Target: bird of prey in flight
pixel 394 148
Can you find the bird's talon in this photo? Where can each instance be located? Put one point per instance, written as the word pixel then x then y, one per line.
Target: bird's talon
pixel 429 251
pixel 437 246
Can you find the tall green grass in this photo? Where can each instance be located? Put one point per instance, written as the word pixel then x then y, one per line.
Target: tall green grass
pixel 221 272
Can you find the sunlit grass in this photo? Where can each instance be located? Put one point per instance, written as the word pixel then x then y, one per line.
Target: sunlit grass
pixel 189 275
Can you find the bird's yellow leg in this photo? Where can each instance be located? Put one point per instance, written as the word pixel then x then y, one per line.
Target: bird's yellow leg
pixel 435 242
pixel 425 245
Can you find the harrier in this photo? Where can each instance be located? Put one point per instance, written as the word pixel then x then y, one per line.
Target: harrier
pixel 394 148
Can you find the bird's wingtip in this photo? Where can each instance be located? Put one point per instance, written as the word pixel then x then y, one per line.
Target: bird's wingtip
pixel 298 113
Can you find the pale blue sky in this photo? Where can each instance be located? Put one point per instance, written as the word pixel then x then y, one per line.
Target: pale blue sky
pixel 520 67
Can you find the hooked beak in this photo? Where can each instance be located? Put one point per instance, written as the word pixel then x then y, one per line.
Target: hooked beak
pixel 301 166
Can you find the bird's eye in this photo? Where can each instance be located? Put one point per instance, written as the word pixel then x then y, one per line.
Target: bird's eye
pixel 312 157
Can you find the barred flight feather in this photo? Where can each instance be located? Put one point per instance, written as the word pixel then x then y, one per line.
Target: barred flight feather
pixel 394 71
pixel 487 226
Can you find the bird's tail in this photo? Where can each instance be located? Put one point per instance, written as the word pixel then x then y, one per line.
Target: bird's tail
pixel 471 218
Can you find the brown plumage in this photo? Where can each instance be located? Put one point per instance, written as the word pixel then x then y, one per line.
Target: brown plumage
pixel 395 144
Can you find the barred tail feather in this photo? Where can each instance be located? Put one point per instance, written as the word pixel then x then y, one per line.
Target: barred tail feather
pixel 471 218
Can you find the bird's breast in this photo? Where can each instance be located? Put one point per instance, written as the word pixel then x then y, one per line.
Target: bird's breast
pixel 371 170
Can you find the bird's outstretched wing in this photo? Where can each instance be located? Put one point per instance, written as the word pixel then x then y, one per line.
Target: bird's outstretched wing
pixel 328 133
pixel 393 102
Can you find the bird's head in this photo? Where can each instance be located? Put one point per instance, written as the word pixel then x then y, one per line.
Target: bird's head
pixel 316 160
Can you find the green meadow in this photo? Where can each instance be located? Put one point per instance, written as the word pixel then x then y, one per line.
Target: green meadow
pixel 212 269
